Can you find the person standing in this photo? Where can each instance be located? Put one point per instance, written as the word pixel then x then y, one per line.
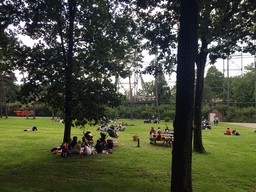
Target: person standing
pixel 117 118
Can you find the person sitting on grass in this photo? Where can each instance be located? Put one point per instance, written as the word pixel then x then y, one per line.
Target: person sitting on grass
pixel 64 147
pixel 73 142
pixel 207 125
pixel 99 128
pixel 106 128
pixel 98 146
pixel 234 132
pixel 77 148
pixel 122 128
pixel 112 127
pixel 88 151
pixel 228 132
pixel 84 142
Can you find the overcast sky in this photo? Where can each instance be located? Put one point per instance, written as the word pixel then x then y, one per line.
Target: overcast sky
pixel 236 66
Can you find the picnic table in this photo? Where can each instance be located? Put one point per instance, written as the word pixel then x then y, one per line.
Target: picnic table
pixel 169 138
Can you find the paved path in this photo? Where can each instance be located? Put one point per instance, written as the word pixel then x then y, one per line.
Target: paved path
pixel 252 125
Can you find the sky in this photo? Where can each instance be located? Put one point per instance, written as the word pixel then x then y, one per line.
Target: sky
pixel 236 67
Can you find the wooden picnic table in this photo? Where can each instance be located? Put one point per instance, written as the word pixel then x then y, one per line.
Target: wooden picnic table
pixel 170 136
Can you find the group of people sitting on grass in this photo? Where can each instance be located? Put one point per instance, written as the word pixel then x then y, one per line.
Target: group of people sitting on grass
pixel 157 135
pixel 153 120
pixel 234 132
pixel 106 127
pixel 81 147
pixel 85 146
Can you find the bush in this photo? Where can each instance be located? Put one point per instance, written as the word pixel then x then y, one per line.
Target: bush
pixel 167 119
pixel 43 110
pixel 168 115
pixel 111 113
pixel 233 114
pixel 204 112
pixel 12 107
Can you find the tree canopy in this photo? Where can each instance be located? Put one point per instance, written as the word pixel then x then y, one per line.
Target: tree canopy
pixel 82 45
pixel 243 87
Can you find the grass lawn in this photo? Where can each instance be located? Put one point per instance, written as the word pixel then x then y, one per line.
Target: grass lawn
pixel 27 163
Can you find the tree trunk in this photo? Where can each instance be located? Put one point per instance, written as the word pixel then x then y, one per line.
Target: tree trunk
pixel 1 109
pixel 34 115
pixel 187 51
pixel 201 60
pixel 52 114
pixel 27 111
pixel 69 71
pixel 6 115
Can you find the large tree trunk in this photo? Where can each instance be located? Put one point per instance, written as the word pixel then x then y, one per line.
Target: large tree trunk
pixel 52 114
pixel 6 114
pixel 27 111
pixel 187 51
pixel 34 115
pixel 69 71
pixel 201 60
pixel 1 109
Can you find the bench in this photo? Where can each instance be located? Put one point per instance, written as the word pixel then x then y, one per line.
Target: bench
pixel 170 139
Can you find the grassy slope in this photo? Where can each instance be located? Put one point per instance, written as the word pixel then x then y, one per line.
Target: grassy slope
pixel 28 165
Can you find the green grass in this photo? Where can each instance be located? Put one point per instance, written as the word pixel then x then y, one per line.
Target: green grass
pixel 27 163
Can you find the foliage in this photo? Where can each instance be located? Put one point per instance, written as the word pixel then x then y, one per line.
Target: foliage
pixel 11 13
pixel 214 79
pixel 170 115
pixel 83 45
pixel 243 88
pixel 42 110
pixel 163 90
pixel 241 114
pixel 167 119
pixel 111 112
pixel 7 78
pixel 204 113
pixel 144 111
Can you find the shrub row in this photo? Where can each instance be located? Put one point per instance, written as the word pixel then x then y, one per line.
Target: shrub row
pixel 167 112
pixel 42 110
